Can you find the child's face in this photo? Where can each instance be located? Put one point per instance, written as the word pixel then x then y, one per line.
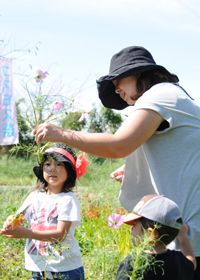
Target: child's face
pixel 127 89
pixel 136 229
pixel 54 173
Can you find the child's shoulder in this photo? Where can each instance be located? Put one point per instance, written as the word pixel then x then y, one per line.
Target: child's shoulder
pixel 34 194
pixel 68 196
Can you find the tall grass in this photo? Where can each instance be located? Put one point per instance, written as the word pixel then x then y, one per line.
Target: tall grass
pixel 102 247
pixel 17 171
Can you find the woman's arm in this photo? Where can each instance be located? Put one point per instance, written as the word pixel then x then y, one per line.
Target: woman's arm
pixel 48 235
pixel 137 128
pixel 185 245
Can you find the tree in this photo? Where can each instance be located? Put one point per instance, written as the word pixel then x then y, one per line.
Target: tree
pixel 104 120
pixel 71 121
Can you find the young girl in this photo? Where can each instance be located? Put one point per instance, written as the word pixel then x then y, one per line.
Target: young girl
pixel 53 213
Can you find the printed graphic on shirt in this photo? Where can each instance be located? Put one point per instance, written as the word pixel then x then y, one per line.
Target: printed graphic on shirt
pixel 44 216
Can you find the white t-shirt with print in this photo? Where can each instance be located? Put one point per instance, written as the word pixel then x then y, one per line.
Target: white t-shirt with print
pixel 168 162
pixel 43 214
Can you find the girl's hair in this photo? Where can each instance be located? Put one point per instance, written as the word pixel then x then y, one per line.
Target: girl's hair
pixel 71 173
pixel 166 234
pixel 150 78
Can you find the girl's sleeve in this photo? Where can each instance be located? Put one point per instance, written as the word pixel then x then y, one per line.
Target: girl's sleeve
pixel 25 204
pixel 69 210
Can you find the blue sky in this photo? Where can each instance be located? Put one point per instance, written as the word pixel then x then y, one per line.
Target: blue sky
pixel 78 38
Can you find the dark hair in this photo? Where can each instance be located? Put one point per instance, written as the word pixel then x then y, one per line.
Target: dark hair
pixel 150 78
pixel 71 172
pixel 166 234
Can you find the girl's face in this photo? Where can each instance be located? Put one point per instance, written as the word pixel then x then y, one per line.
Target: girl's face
pixel 136 229
pixel 55 174
pixel 127 89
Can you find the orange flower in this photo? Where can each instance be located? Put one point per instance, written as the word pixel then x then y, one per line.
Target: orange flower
pixel 90 215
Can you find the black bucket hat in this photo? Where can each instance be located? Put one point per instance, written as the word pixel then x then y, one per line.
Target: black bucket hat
pixel 127 62
pixel 58 152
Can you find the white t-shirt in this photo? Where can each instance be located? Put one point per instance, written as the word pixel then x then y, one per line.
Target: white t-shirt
pixel 43 214
pixel 168 162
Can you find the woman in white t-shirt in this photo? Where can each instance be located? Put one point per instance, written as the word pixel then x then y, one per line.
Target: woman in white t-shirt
pixel 53 213
pixel 160 138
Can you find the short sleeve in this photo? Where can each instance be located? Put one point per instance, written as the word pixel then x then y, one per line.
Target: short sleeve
pixel 161 98
pixel 27 203
pixel 172 103
pixel 69 209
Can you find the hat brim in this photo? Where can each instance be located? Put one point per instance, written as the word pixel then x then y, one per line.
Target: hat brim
pixel 106 88
pixel 130 218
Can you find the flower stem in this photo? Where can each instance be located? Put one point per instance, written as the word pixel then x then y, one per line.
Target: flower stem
pixel 31 100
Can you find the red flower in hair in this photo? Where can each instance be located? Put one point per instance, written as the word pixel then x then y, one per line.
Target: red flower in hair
pixel 81 166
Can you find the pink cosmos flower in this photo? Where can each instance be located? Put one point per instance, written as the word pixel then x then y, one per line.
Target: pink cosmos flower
pixel 74 102
pixel 40 75
pixel 56 105
pixel 85 114
pixel 115 220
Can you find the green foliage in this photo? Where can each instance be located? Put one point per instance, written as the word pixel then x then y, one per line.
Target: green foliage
pixel 99 120
pixel 104 120
pixel 142 261
pixel 25 137
pixel 11 250
pixel 17 171
pixel 112 120
pixel 71 121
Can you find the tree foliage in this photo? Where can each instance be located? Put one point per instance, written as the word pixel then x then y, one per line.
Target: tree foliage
pixel 99 120
pixel 104 120
pixel 71 121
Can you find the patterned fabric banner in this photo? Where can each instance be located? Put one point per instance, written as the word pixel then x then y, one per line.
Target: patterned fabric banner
pixel 8 117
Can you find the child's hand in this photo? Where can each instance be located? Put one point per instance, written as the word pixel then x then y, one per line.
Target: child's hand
pixel 13 221
pixel 18 231
pixel 8 221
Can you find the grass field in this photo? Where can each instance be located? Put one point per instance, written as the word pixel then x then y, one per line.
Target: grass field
pixel 102 247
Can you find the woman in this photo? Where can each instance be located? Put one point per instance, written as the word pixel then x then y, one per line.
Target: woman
pixel 160 138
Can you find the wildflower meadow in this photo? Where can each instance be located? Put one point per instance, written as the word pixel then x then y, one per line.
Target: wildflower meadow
pixel 103 240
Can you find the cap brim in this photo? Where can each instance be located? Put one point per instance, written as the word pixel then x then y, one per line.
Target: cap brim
pixel 130 218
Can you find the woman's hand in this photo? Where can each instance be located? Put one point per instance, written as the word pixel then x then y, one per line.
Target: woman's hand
pixel 118 174
pixel 47 132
